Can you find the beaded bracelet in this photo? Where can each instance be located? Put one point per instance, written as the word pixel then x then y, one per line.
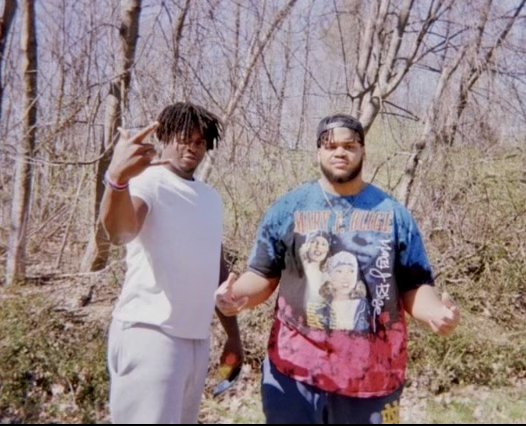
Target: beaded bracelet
pixel 114 186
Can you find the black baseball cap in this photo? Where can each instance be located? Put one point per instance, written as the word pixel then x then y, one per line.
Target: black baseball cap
pixel 339 120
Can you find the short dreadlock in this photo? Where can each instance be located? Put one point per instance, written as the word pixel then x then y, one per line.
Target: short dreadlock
pixel 182 118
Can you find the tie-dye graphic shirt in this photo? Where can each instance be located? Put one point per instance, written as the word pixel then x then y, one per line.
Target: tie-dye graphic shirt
pixel 340 324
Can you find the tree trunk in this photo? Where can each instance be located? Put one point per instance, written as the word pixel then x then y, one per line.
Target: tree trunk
pixel 5 24
pixel 96 255
pixel 388 50
pixel 177 37
pixel 431 130
pixel 16 264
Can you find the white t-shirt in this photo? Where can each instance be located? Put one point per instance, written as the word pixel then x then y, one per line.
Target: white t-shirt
pixel 173 264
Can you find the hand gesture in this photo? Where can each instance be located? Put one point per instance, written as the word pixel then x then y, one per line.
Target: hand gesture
pixel 132 156
pixel 447 318
pixel 226 302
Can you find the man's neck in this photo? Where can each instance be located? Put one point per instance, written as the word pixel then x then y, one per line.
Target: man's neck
pixel 353 187
pixel 180 173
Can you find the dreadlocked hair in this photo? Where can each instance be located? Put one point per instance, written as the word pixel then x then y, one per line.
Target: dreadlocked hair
pixel 182 118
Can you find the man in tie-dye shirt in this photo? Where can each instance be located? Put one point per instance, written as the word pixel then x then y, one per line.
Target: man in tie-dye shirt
pixel 349 261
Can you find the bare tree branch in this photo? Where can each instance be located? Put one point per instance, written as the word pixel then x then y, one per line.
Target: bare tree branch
pixel 234 100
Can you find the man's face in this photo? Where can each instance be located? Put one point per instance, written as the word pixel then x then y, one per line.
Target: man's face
pixel 341 155
pixel 186 152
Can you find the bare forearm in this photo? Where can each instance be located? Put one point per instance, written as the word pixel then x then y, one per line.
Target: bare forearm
pixel 229 324
pixel 122 215
pixel 255 287
pixel 422 303
pixel 119 217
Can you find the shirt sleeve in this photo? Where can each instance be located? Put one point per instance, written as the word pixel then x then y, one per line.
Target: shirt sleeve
pixel 413 268
pixel 268 254
pixel 142 187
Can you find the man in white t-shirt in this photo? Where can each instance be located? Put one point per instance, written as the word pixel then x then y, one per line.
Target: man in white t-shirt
pixel 172 225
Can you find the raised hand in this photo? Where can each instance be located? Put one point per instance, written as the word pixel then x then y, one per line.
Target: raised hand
pixel 132 155
pixel 226 302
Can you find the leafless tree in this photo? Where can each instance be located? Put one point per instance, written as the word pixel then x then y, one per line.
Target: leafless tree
pixel 444 118
pixel 5 24
pixel 16 262
pixel 269 69
pixel 393 38
pixel 256 50
pixel 96 254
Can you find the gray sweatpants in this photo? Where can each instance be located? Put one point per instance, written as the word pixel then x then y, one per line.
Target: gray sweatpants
pixel 155 378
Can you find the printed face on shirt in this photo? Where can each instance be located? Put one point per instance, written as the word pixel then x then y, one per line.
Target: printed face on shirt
pixel 341 155
pixel 343 275
pixel 343 280
pixel 318 249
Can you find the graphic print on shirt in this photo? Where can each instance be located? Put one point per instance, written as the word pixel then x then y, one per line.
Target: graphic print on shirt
pixel 335 295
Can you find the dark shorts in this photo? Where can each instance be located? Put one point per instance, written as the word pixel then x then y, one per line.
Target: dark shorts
pixel 287 401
